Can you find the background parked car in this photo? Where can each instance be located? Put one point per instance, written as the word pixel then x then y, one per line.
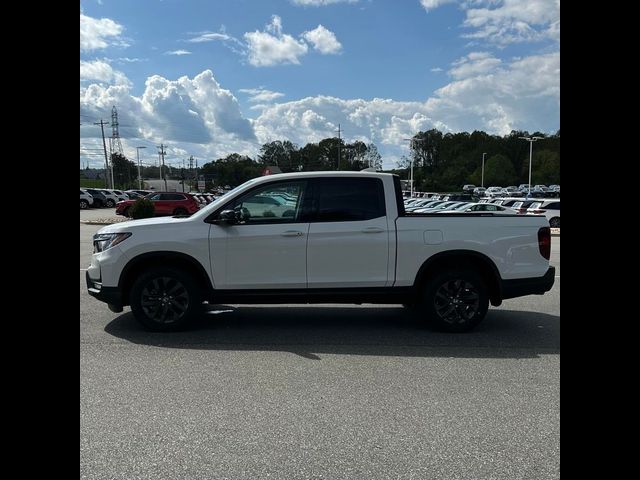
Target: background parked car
pixel 86 199
pixel 522 205
pixel 548 208
pixel 468 188
pixel 110 198
pixel 165 203
pixel 99 199
pixel 490 207
pixel 479 191
pixel 120 194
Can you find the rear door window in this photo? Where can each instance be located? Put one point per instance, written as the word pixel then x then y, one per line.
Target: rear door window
pixel 348 199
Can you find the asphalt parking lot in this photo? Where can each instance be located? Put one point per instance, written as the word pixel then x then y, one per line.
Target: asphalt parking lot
pixel 311 392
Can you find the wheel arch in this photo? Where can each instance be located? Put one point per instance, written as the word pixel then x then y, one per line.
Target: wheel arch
pixel 165 259
pixel 463 259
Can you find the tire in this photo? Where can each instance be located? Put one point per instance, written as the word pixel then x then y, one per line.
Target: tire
pixel 455 300
pixel 555 222
pixel 111 203
pixel 165 299
pixel 180 211
pixel 84 204
pixel 125 212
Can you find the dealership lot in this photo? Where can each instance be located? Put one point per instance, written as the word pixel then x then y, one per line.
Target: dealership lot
pixel 330 391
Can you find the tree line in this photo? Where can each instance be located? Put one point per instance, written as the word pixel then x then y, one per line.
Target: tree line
pixel 441 162
pixel 446 162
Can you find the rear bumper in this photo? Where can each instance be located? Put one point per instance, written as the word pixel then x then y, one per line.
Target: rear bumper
pixel 528 286
pixel 110 295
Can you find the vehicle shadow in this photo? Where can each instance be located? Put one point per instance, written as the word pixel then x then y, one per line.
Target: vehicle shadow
pixel 311 331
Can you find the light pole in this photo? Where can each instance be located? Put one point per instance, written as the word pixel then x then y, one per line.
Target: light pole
pixel 483 169
pixel 413 140
pixel 530 140
pixel 139 177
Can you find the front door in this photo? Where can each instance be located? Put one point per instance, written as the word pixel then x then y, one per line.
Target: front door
pixel 267 248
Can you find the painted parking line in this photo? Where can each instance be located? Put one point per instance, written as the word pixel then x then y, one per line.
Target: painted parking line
pixel 84 269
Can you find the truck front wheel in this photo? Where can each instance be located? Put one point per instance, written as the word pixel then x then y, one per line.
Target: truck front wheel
pixel 455 300
pixel 165 299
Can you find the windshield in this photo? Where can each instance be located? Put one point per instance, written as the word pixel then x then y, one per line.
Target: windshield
pixel 221 200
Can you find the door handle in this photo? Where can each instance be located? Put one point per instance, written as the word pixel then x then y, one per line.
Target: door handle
pixel 373 230
pixel 291 233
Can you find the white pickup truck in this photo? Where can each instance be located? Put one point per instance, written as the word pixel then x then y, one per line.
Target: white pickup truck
pixel 320 237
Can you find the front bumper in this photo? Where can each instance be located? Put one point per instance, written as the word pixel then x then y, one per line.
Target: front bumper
pixel 528 286
pixel 110 295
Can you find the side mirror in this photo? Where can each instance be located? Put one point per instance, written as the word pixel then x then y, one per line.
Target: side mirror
pixel 228 216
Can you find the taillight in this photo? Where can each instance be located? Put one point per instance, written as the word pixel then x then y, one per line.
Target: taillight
pixel 537 211
pixel 544 242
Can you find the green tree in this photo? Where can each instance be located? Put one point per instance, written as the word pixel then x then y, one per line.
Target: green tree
pixel 283 154
pixel 545 168
pixel 499 171
pixel 125 171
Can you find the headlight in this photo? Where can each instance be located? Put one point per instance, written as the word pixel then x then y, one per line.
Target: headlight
pixel 104 241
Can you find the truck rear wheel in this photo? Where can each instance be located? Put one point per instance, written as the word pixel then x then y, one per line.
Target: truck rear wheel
pixel 165 299
pixel 456 300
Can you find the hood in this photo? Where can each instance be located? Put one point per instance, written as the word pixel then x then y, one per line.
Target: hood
pixel 132 225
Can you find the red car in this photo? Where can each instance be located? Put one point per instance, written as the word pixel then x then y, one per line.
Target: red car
pixel 165 203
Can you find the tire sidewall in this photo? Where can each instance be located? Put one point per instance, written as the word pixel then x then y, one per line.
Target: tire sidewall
pixel 193 289
pixel 432 286
pixel 84 204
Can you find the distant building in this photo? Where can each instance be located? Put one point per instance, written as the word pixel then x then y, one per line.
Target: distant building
pixel 271 170
pixel 92 173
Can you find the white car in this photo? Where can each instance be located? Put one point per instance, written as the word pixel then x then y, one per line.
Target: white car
pixel 480 207
pixel 86 199
pixel 111 197
pixel 122 196
pixel 493 192
pixel 548 208
pixel 347 239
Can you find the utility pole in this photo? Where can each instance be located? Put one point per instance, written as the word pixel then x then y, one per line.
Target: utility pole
pixel 162 173
pixel 106 159
pixel 190 172
pixel 339 142
pixel 139 176
pixel 483 168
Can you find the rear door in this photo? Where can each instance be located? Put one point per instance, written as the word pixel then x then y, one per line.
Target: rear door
pixel 349 234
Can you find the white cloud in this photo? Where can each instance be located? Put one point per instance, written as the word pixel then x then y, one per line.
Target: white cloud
pixel 131 60
pixel 99 33
pixel 474 64
pixel 320 3
pixel 323 40
pixel 178 52
pixel 209 37
pixel 261 94
pixel 200 117
pixel 505 22
pixel 436 69
pixel 272 47
pixel 431 4
pixel 195 114
pixel 101 71
pixel 523 94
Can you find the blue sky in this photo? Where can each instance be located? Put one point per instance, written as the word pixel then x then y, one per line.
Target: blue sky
pixel 214 77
